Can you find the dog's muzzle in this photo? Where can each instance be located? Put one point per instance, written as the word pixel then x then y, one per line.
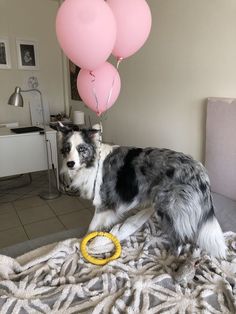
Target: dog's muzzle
pixel 70 164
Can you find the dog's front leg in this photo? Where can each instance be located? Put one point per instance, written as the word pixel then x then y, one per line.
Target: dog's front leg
pixel 103 219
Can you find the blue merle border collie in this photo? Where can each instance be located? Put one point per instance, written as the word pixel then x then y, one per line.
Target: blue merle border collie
pixel 120 179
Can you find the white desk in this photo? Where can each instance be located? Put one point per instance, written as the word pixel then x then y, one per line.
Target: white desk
pixel 25 153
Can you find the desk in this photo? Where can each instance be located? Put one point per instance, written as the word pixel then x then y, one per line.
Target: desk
pixel 25 153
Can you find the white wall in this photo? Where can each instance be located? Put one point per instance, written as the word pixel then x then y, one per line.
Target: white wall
pixel 190 55
pixel 33 20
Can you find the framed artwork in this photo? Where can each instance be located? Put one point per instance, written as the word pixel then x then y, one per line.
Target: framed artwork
pixel 27 53
pixel 74 71
pixel 5 60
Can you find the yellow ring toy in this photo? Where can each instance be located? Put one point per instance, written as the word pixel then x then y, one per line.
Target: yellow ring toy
pixel 99 261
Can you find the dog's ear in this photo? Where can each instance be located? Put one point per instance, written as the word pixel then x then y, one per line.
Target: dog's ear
pixel 96 132
pixel 64 129
pixel 94 135
pixel 98 127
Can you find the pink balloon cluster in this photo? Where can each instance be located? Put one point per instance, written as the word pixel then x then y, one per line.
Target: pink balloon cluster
pixel 88 31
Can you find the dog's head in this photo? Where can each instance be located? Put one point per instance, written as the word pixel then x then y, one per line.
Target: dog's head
pixel 78 146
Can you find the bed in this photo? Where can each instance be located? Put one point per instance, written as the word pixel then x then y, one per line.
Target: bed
pixel 55 278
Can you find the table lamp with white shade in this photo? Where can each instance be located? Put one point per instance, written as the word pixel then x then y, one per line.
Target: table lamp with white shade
pixel 78 117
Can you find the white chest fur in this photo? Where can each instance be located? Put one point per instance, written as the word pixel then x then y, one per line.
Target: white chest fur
pixel 84 181
pixel 89 180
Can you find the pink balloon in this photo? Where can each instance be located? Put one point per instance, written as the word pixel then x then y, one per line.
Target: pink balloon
pixel 100 88
pixel 86 31
pixel 134 20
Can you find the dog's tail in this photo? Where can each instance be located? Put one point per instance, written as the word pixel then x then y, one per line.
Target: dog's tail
pixel 211 237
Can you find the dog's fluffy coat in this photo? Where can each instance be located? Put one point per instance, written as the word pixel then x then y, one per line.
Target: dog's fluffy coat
pixel 119 179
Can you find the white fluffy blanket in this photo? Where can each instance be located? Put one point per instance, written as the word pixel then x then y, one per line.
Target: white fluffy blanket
pixel 56 279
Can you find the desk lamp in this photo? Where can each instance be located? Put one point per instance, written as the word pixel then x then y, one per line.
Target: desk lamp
pixel 16 100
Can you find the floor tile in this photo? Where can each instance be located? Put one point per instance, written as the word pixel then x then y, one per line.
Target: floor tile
pixel 12 236
pixel 33 193
pixel 39 217
pixel 6 208
pixel 42 228
pixel 34 214
pixel 86 203
pixel 92 210
pixel 23 190
pixel 29 202
pixel 65 204
pixel 9 197
pixel 81 218
pixel 9 220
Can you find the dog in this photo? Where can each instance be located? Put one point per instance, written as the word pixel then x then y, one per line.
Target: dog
pixel 119 179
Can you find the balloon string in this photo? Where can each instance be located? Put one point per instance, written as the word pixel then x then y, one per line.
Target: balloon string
pixel 94 92
pixel 110 92
pixel 119 59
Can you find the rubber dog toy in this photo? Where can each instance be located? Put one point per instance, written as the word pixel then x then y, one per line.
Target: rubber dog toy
pixel 99 261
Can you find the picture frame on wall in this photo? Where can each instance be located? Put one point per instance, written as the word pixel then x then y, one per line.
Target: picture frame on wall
pixel 74 71
pixel 5 58
pixel 27 54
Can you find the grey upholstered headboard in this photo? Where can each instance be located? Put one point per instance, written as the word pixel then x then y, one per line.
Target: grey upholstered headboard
pixel 221 145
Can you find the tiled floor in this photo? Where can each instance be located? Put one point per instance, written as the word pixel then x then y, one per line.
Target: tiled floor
pixel 24 215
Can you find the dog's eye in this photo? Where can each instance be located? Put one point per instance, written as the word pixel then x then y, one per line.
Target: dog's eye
pixel 81 149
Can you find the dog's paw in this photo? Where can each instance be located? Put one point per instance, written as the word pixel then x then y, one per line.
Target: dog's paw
pixel 105 229
pixel 73 191
pixel 99 228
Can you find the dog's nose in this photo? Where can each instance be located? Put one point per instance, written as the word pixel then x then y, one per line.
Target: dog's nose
pixel 70 164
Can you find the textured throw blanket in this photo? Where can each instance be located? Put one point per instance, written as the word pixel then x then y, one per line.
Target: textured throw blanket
pixel 56 279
